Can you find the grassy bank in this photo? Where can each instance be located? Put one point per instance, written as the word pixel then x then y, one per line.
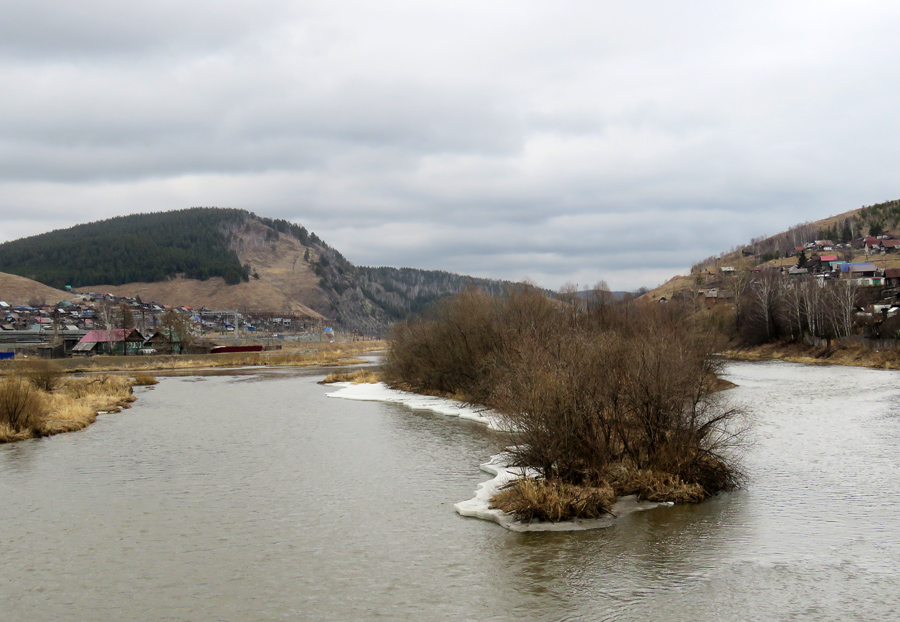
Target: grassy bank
pixel 43 402
pixel 304 355
pixel 838 354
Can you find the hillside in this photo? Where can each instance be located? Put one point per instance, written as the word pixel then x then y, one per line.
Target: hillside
pixel 230 259
pixel 142 247
pixel 17 290
pixel 844 229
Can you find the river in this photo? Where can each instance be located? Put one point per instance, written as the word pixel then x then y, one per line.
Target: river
pixel 250 495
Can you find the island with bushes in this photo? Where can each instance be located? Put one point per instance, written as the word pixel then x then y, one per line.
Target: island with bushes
pixel 600 399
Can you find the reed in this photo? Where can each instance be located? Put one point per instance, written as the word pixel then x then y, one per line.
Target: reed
pixel 530 499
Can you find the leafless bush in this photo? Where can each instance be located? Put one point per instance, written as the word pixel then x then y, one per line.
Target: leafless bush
pixel 21 405
pixel 447 351
pixel 586 391
pixel 43 374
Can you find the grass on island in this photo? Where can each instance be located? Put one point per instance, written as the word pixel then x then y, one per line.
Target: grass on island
pixel 42 402
pixel 360 376
pixel 530 498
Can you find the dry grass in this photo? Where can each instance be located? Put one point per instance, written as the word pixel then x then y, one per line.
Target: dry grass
pixel 360 376
pixel 22 407
pixel 72 406
pixel 652 485
pixel 76 403
pixel 529 499
pixel 142 379
pixel 838 354
pixel 553 500
pixel 302 355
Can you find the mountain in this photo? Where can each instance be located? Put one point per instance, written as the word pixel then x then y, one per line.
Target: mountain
pixel 229 259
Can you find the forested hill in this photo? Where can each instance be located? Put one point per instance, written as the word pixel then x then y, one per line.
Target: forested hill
pixel 141 247
pixel 270 264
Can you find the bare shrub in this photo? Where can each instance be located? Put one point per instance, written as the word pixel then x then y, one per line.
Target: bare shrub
pixel 554 398
pixel 446 352
pixel 21 406
pixel 43 374
pixel 586 390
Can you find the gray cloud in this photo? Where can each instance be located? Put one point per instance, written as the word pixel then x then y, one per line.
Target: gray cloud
pixel 573 142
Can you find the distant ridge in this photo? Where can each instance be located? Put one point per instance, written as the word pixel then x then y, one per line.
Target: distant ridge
pixel 230 259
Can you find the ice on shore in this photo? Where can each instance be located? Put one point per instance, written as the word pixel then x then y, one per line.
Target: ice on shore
pixel 380 392
pixel 479 506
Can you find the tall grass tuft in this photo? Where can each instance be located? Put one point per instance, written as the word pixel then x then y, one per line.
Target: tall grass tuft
pixel 360 376
pixel 530 499
pixel 144 380
pixel 22 407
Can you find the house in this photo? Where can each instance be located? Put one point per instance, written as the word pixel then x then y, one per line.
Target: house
pixel 164 343
pixel 858 270
pixel 890 245
pixel 115 341
pixel 827 262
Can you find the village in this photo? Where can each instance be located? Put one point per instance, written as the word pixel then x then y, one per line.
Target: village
pixel 93 323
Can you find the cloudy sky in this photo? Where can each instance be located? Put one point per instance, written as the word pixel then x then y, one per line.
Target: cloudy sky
pixel 566 141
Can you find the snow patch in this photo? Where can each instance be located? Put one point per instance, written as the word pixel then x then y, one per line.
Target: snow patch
pixel 380 392
pixel 479 506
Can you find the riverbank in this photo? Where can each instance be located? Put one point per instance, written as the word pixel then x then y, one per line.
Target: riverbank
pixel 307 354
pixel 42 398
pixel 837 354
pixel 71 405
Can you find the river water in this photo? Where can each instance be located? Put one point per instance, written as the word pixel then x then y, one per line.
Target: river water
pixel 253 496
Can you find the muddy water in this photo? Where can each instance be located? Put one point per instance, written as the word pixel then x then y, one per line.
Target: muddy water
pixel 252 496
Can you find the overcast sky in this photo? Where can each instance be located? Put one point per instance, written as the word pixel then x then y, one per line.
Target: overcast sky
pixel 569 141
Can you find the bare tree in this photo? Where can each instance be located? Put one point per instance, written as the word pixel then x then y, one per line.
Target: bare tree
pixel 765 293
pixel 840 305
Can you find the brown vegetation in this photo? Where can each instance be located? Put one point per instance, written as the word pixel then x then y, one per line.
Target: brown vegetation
pixel 854 355
pixel 21 408
pixel 587 388
pixel 27 411
pixel 360 376
pixel 530 498
pixel 17 290
pixel 303 355
pixel 144 380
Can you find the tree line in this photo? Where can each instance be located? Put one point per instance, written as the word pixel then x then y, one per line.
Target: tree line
pixel 140 247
